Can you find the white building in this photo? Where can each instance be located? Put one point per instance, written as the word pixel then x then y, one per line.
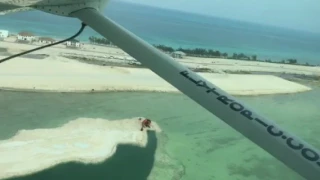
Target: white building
pixel 178 54
pixel 4 34
pixel 46 40
pixel 26 36
pixel 73 43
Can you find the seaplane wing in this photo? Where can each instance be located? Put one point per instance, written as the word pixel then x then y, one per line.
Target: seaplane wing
pixel 6 7
pixel 291 150
pixel 14 10
pixel 29 3
pixel 12 6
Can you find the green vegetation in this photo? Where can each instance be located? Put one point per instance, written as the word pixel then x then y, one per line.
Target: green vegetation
pixel 204 53
pixel 74 40
pixel 100 41
pixel 209 53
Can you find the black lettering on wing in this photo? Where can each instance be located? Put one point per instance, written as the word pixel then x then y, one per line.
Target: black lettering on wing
pixel 248 114
pixel 225 100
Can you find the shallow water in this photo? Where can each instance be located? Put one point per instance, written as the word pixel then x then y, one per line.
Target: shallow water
pixel 199 145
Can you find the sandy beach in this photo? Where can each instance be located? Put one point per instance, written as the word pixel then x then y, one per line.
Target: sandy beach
pixel 58 72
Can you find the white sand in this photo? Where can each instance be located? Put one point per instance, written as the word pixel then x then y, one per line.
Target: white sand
pixel 64 75
pixel 82 140
pixel 211 63
pixel 57 73
pixel 219 64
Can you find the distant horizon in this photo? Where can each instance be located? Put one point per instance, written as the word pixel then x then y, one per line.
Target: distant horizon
pixel 196 14
pixel 215 16
pixel 180 29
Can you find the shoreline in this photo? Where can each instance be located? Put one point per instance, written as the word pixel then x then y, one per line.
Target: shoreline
pixel 64 70
pixel 83 91
pixel 290 76
pixel 238 94
pixel 191 52
pixel 207 65
pixel 139 80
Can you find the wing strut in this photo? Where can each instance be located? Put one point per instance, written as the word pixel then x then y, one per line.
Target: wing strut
pixel 292 151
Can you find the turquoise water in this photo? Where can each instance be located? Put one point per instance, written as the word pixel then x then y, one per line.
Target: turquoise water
pixel 194 143
pixel 185 30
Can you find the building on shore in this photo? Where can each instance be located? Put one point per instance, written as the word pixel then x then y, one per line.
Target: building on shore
pixel 4 34
pixel 46 40
pixel 26 37
pixel 178 54
pixel 73 44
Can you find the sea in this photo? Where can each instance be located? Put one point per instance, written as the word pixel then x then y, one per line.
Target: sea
pixel 181 29
pixel 194 143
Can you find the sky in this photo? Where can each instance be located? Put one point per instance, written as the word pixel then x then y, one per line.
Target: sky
pixel 294 14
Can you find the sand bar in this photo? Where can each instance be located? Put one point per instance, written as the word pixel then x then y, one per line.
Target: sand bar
pixel 83 140
pixel 215 64
pixel 64 75
pixel 220 64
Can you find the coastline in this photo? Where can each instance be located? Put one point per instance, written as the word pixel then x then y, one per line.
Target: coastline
pixel 235 92
pixel 111 90
pixel 65 75
pixel 93 69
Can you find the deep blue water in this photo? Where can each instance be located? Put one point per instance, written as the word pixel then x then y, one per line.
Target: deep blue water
pixel 181 29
